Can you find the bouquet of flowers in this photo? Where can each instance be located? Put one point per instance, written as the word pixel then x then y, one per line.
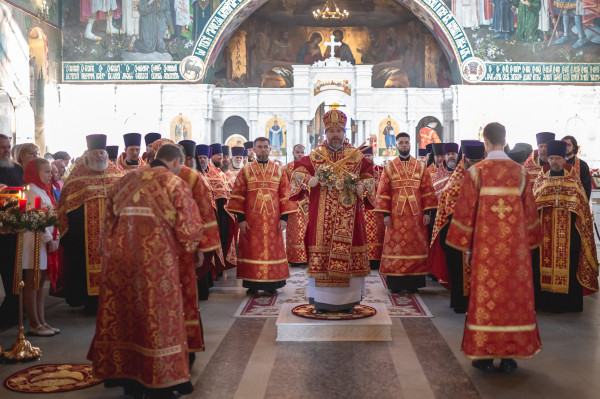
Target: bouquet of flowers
pixel 13 220
pixel 350 182
pixel 326 176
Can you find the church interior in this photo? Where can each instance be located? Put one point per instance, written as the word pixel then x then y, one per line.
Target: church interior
pixel 260 63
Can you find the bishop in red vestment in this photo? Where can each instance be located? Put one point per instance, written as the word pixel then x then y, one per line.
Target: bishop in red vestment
pixel 260 200
pixel 405 197
pixel 497 225
pixel 338 176
pixel 148 320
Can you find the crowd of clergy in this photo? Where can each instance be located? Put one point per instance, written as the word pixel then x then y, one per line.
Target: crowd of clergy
pixel 142 235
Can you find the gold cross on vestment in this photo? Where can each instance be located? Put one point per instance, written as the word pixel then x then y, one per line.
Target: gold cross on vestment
pixel 501 209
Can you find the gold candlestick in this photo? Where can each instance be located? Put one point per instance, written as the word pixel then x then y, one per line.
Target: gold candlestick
pixel 21 350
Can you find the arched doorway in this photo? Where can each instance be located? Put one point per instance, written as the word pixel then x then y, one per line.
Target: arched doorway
pixel 448 34
pixel 434 123
pixel 235 125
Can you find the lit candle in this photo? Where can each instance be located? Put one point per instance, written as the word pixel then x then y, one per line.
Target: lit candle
pixel 37 202
pixel 22 205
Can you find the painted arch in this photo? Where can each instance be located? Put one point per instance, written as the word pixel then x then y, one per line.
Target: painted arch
pixel 231 13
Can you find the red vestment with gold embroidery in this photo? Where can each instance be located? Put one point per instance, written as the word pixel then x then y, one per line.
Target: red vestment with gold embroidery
pixel 446 205
pixel 440 178
pixel 404 192
pixel 532 164
pixel 497 221
pixel 295 233
pixel 374 223
pixel 428 135
pixel 337 239
pixel 210 243
pixel 148 317
pixel 218 182
pixel 557 197
pixel 122 164
pixel 261 193
pixel 88 188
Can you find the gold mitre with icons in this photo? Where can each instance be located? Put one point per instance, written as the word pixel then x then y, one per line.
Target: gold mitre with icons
pixel 334 118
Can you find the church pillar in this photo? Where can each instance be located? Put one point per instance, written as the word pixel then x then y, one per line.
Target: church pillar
pixel 363 132
pixel 303 138
pixel 254 130
pixel 297 135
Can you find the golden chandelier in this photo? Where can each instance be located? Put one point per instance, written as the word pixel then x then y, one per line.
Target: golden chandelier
pixel 330 10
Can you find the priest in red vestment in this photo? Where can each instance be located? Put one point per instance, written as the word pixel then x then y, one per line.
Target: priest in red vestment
pixel 497 225
pixel 295 233
pixel 221 190
pixel 130 159
pixel 341 183
pixel 447 262
pixel 148 320
pixel 406 198
pixel 374 220
pixel 260 200
pixel 565 267
pixel 150 138
pixel 80 212
pixel 446 168
pixel 539 157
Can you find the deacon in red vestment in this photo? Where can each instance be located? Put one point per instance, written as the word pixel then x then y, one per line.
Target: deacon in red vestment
pixel 447 262
pixel 148 320
pixel 338 175
pixel 565 268
pixel 405 197
pixel 374 220
pixel 539 157
pixel 80 212
pixel 297 222
pixel 260 200
pixel 130 159
pixel 497 225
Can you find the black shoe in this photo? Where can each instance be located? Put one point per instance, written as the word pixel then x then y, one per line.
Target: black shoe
pixel 508 365
pixel 251 291
pixel 271 292
pixel 485 365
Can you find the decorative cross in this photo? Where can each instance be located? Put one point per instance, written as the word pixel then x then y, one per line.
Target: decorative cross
pixel 332 45
pixel 501 209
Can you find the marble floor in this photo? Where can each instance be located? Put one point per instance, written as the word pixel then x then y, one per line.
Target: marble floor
pixel 242 359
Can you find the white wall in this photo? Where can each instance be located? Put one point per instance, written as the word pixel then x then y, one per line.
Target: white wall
pixel 463 110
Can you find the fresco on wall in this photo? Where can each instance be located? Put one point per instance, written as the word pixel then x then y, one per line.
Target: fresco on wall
pixel 126 30
pixel 181 128
pixel 235 140
pixel 47 10
pixel 21 64
pixel 283 33
pixel 386 142
pixel 276 132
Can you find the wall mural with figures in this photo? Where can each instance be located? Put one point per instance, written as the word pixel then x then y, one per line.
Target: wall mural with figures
pixel 276 132
pixel 411 43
